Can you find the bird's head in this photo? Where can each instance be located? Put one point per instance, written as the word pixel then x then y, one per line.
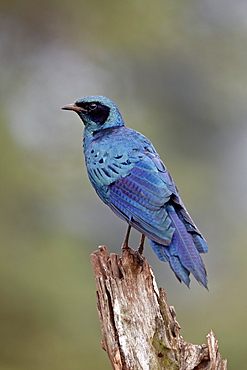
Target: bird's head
pixel 97 112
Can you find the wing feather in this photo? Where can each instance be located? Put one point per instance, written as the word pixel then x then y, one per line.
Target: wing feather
pixel 140 198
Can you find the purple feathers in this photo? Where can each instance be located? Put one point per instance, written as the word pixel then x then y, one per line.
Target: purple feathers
pixel 151 210
pixel 129 176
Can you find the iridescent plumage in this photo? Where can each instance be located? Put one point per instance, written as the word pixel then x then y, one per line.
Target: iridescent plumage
pixel 129 176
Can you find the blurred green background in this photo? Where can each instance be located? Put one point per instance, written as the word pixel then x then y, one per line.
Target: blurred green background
pixel 178 71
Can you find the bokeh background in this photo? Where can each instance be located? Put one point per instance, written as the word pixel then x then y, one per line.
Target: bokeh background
pixel 178 71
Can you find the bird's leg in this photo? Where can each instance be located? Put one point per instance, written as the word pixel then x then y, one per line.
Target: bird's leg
pixel 141 245
pixel 126 239
pixel 132 258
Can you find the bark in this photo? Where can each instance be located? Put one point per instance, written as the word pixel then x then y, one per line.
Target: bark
pixel 139 329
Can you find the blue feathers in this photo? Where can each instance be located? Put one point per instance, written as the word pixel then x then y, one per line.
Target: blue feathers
pixel 129 176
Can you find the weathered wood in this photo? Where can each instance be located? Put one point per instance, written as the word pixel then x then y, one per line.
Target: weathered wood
pixel 139 329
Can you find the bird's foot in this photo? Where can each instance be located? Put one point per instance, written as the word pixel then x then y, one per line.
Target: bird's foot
pixel 132 260
pixel 139 252
pixel 140 259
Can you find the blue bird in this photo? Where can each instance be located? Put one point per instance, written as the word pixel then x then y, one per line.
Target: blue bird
pixel 129 176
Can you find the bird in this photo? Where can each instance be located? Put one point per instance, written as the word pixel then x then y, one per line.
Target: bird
pixel 129 176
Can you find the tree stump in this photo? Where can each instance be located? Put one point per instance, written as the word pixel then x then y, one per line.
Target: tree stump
pixel 139 329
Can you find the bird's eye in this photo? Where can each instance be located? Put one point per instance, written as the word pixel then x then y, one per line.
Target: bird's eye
pixel 92 106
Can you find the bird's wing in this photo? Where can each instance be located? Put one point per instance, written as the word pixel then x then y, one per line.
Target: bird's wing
pixel 165 175
pixel 136 185
pixel 139 198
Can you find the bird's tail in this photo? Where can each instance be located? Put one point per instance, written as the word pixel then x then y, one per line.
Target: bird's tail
pixel 183 251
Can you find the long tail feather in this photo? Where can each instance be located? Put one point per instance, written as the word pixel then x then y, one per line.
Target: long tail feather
pixel 183 251
pixel 164 254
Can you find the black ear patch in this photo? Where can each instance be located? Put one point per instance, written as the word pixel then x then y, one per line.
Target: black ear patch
pixel 96 111
pixel 98 114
